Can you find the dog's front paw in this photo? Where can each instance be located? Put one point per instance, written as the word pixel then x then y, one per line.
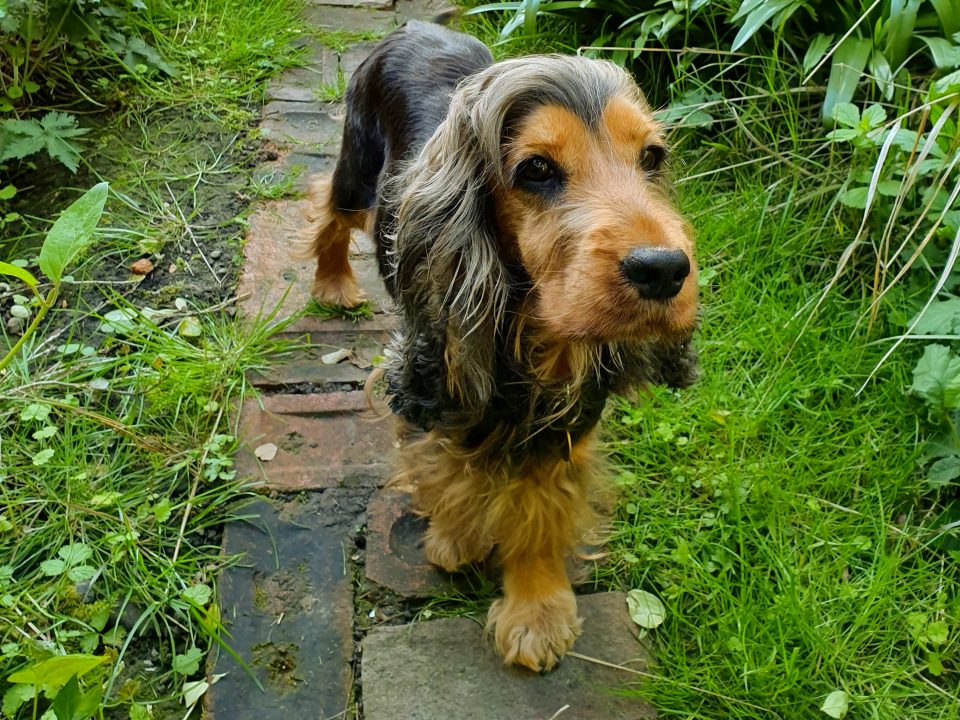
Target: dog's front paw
pixel 535 634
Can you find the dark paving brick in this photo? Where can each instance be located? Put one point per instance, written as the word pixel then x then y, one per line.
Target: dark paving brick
pixel 394 553
pixel 323 440
pixel 307 366
pixel 289 609
pixel 300 123
pixel 444 669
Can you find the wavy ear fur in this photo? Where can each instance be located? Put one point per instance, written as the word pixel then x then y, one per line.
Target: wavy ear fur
pixel 447 273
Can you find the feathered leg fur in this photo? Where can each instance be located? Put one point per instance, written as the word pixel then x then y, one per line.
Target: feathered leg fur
pixel 534 515
pixel 327 240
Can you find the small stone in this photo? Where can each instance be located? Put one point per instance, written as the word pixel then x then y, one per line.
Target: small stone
pixel 266 452
pixel 334 357
pixel 143 266
pixel 15 325
pixel 214 254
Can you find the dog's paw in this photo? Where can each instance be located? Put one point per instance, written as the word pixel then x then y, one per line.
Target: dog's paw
pixel 342 291
pixel 534 634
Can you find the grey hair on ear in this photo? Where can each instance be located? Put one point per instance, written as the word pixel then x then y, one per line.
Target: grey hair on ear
pixel 444 259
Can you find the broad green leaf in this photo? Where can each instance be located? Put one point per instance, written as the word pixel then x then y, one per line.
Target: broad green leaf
pixel 7 192
pixel 198 594
pixel 75 553
pixel 846 114
pixel 16 696
pixel 56 671
pixel 848 63
pixel 889 188
pixel 882 74
pixel 949 13
pixel 188 663
pixel 190 327
pixel 899 27
pixel 81 573
pixel 935 371
pixel 72 232
pixel 855 197
pixel 53 567
pixel 43 457
pixel 836 704
pixel 873 116
pixel 946 55
pixel 937 632
pixel 645 609
pixel 17 272
pixel 940 318
pixel 759 14
pixel 943 471
pixel 815 51
pixel 71 704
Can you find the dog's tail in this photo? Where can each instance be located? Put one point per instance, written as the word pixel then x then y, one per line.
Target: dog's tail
pixel 448 18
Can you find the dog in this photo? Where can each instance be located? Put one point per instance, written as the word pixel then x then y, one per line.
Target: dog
pixel 525 230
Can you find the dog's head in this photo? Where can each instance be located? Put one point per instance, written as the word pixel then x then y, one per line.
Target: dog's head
pixel 546 180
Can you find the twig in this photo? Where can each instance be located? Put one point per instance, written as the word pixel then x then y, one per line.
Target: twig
pixel 558 712
pixel 652 676
pixel 186 226
pixel 193 488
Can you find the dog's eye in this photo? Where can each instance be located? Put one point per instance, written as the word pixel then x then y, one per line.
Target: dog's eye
pixel 536 170
pixel 651 158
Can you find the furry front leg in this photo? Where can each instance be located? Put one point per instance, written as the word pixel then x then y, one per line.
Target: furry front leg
pixel 536 622
pixel 539 517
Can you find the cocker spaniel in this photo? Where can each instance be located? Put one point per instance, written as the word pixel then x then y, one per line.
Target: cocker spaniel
pixel 525 230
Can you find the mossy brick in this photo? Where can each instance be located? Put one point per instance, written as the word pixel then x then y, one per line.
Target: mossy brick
pixel 306 365
pixel 442 669
pixel 323 440
pixel 288 607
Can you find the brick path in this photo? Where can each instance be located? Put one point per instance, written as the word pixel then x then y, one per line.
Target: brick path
pixel 329 561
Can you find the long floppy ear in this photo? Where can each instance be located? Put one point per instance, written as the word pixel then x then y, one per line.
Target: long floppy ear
pixel 447 272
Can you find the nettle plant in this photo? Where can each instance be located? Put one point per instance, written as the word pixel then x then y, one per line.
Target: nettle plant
pixel 906 182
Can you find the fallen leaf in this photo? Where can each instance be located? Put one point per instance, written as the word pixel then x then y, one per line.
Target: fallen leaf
pixel 334 357
pixel 836 704
pixel 266 452
pixel 645 609
pixel 190 327
pixel 142 266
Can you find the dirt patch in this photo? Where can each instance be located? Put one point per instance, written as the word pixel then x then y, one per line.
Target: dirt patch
pixel 280 661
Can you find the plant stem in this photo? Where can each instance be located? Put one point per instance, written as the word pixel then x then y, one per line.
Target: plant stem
pixel 46 305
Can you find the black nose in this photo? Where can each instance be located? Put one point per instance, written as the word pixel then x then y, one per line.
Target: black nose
pixel 657 273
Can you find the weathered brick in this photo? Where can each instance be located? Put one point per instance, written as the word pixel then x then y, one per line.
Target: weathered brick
pixel 394 553
pixel 445 669
pixel 272 277
pixel 323 440
pixel 288 606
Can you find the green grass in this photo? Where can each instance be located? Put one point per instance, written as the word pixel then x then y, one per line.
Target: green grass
pixel 116 448
pixel 325 311
pixel 778 515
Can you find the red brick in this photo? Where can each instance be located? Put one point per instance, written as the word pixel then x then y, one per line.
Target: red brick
pixel 272 277
pixel 394 554
pixel 322 439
